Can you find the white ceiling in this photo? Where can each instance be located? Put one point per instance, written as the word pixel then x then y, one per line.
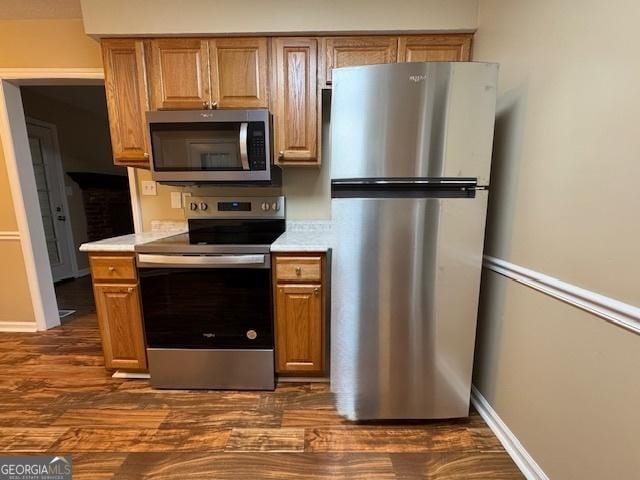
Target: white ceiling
pixel 37 9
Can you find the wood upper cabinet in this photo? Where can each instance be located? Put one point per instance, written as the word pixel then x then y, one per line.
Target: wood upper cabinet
pixel 295 99
pixel 238 69
pixel 117 296
pixel 179 73
pixel 120 319
pixel 358 50
pixel 434 48
pixel 127 100
pixel 300 314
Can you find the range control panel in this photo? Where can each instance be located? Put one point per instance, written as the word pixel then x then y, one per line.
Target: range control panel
pixel 235 207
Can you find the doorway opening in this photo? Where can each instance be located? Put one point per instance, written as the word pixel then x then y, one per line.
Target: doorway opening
pixel 82 195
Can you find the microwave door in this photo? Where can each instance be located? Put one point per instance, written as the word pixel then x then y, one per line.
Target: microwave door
pixel 243 143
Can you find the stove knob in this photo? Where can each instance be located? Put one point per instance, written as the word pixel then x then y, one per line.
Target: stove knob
pixel 193 206
pixel 265 206
pixel 203 206
pixel 275 206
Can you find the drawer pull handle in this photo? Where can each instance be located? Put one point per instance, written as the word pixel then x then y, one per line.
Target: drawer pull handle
pixel 298 271
pixel 316 291
pixel 112 269
pixel 130 289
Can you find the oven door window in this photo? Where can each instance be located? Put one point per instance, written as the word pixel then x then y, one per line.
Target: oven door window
pixel 207 308
pixel 197 147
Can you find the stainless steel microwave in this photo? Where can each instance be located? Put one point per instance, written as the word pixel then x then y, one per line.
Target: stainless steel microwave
pixel 217 146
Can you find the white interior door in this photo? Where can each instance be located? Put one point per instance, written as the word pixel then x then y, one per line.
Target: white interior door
pixel 48 171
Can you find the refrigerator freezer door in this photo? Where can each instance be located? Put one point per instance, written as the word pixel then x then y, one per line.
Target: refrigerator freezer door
pixel 413 120
pixel 405 282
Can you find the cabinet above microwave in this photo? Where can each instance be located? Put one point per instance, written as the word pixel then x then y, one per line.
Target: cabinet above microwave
pixel 212 146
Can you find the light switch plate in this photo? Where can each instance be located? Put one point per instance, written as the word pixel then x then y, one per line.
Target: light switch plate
pixel 149 187
pixel 176 199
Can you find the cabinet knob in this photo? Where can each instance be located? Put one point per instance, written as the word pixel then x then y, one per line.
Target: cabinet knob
pixel 280 154
pixel 130 289
pixel 112 269
pixel 213 105
pixel 205 105
pixel 316 291
pixel 298 271
pixel 145 155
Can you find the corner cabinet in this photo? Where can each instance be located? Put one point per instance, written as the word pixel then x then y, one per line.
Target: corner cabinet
pixel 117 297
pixel 127 100
pixel 295 100
pixel 300 305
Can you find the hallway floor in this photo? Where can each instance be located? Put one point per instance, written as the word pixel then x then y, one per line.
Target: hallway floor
pixel 56 397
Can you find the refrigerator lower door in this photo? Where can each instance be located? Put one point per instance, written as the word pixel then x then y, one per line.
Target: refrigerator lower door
pixel 405 284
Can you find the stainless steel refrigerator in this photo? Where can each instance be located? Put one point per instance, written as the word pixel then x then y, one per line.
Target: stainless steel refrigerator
pixel 410 161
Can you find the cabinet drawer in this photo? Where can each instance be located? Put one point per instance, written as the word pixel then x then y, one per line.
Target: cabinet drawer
pixel 111 268
pixel 304 269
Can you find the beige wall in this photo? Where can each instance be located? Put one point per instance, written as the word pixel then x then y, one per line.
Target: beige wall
pixel 564 202
pixel 30 44
pixel 163 17
pixel 85 146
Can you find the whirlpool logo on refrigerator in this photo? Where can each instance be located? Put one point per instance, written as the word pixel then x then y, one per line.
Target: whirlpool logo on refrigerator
pixel 417 78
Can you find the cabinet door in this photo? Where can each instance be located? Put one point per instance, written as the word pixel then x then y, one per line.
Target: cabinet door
pixel 434 48
pixel 299 332
pixel 179 74
pixel 127 100
pixel 118 308
pixel 295 99
pixel 353 51
pixel 239 72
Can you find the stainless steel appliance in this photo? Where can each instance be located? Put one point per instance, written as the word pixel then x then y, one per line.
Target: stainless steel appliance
pixel 212 146
pixel 410 161
pixel 207 299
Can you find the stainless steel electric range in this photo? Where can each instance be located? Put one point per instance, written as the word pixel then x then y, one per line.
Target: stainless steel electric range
pixel 206 296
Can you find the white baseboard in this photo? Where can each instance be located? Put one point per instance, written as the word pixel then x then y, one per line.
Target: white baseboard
pixel 525 462
pixel 18 327
pixel 120 374
pixel 610 309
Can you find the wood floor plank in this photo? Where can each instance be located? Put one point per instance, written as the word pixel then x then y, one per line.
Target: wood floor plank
pixel 387 439
pixel 20 439
pixel 266 440
pixel 141 440
pixel 112 417
pixel 455 466
pixel 204 417
pixel 259 466
pixel 312 418
pixel 96 466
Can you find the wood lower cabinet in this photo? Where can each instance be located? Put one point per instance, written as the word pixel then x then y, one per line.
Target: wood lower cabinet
pixel 295 100
pixel 358 50
pixel 238 69
pixel 434 48
pixel 119 312
pixel 300 315
pixel 127 100
pixel 179 73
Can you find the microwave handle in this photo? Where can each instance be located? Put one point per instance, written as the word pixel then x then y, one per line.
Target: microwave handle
pixel 244 158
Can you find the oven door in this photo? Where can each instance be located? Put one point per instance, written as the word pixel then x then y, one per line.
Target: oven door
pixel 208 320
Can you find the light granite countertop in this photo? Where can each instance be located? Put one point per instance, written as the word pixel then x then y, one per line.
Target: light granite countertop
pixel 305 236
pixel 300 236
pixel 126 243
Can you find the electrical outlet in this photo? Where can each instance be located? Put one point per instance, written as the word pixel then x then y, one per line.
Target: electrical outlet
pixel 149 187
pixel 176 200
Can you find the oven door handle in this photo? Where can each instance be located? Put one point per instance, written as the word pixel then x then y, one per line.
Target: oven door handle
pixel 244 157
pixel 210 261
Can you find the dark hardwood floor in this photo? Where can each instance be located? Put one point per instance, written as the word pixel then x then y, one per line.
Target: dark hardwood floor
pixel 56 397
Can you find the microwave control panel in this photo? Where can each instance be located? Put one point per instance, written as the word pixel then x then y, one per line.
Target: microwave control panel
pixel 256 146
